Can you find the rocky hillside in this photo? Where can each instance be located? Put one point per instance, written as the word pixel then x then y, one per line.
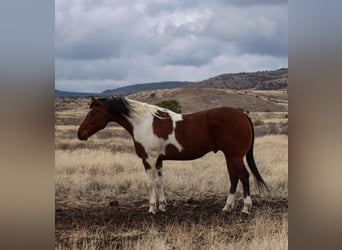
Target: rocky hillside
pixel 197 99
pixel 261 80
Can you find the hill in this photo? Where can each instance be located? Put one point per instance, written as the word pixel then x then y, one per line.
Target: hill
pixel 144 86
pixel 261 80
pixel 196 99
pixel 59 93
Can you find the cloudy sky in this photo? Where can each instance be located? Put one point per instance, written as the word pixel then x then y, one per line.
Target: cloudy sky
pixel 104 44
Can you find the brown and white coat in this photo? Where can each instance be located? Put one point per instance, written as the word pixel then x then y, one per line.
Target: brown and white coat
pixel 160 134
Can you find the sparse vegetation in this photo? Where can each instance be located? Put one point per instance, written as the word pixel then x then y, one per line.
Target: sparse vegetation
pixel 270 128
pixel 261 80
pixel 102 202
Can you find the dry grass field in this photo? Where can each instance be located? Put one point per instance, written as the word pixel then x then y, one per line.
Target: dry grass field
pixel 102 200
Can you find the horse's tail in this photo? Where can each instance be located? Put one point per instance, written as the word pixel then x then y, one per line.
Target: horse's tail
pixel 252 166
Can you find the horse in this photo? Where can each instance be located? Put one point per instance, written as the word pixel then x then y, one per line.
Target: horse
pixel 160 134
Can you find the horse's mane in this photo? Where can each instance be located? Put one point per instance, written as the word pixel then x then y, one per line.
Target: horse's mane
pixel 142 108
pixel 118 105
pixel 125 106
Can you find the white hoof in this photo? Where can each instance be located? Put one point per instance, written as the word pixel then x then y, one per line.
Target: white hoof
pixel 152 209
pixel 228 208
pixel 247 205
pixel 162 206
pixel 245 211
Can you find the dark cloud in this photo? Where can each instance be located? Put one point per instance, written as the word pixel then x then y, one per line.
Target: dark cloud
pixel 264 47
pixel 97 45
pixel 264 31
pixel 92 70
pixel 118 42
pixel 253 2
pixel 155 7
pixel 193 58
pixel 190 50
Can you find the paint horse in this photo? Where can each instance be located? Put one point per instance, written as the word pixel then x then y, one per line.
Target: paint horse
pixel 160 134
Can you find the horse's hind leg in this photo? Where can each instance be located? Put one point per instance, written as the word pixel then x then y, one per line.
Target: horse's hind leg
pixel 247 201
pixel 233 185
pixel 237 168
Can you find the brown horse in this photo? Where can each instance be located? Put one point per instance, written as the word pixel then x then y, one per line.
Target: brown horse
pixel 160 134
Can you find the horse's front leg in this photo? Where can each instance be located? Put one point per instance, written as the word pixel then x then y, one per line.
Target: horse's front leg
pixel 160 188
pixel 151 186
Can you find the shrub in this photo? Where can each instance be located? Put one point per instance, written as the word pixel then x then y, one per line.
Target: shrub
pixel 171 104
pixel 270 128
pixel 258 122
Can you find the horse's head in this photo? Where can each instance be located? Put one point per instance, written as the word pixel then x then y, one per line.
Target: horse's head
pixel 96 119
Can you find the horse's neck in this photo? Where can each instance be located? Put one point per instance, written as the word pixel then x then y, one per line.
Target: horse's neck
pixel 136 123
pixel 130 123
pixel 125 124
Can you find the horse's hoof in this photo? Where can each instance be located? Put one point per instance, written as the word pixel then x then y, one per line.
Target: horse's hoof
pixel 162 206
pixel 152 209
pixel 228 209
pixel 245 212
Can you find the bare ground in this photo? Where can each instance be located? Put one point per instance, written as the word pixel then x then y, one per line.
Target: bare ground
pixel 133 217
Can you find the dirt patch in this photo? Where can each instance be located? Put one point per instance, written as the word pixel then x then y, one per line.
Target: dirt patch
pixel 133 216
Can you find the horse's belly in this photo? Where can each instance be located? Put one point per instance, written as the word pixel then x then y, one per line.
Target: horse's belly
pixel 172 153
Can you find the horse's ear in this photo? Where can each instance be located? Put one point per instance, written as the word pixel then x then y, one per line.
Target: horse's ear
pixel 93 101
pixel 118 97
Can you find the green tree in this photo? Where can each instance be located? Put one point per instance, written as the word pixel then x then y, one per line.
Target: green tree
pixel 171 104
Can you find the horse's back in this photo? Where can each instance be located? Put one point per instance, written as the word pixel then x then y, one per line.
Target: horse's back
pixel 223 128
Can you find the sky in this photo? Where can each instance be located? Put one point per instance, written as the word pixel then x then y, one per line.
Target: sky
pixel 105 44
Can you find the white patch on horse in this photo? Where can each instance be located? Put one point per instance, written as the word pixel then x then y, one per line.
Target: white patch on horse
pixel 141 118
pixel 247 204
pixel 229 203
pixel 172 137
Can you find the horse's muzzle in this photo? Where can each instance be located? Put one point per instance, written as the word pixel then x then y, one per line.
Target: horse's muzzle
pixel 81 137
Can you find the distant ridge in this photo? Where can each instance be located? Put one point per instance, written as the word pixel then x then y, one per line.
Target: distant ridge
pixel 261 80
pixel 131 89
pixel 60 93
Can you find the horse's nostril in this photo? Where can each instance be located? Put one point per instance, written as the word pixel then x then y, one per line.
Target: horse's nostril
pixel 82 137
pixel 79 135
